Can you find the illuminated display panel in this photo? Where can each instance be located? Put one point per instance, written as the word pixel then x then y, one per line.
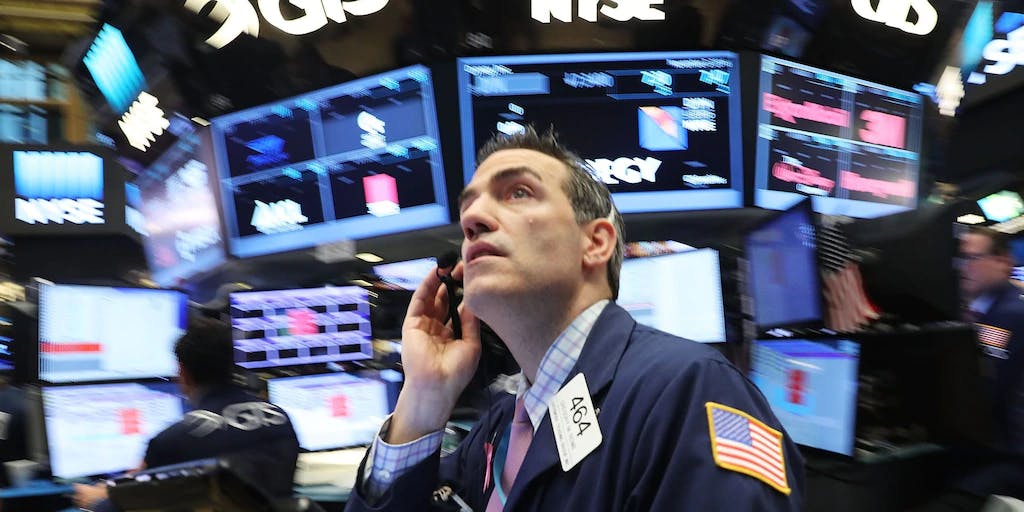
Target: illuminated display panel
pixel 92 333
pixel 662 130
pixel 353 161
pixel 291 327
pixel 851 145
pixel 180 220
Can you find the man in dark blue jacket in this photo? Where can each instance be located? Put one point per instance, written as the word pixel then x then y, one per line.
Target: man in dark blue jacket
pixel 996 307
pixel 608 415
pixel 226 421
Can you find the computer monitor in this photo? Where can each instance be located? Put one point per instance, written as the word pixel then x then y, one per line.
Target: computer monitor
pixel 783 277
pixel 1002 206
pixel 6 353
pixel 353 161
pixel 102 429
pixel 181 231
pixel 291 327
pixel 852 145
pixel 405 274
pixel 811 386
pixel 662 130
pixel 332 410
pixel 677 293
pixel 7 337
pixel 92 333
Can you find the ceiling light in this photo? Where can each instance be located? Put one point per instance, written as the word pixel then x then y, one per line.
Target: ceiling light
pixel 369 257
pixel 970 218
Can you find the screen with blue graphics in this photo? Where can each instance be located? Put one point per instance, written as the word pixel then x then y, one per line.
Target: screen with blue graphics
pixel 66 190
pixel 811 386
pixel 353 161
pixel 114 69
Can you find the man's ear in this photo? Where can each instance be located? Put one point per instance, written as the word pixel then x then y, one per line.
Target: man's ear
pixel 185 379
pixel 599 241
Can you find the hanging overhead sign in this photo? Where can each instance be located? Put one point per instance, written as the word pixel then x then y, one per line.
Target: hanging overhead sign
pixel 587 10
pixel 896 13
pixel 239 16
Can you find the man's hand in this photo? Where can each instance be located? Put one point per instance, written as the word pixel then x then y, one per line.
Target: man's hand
pixel 437 366
pixel 87 496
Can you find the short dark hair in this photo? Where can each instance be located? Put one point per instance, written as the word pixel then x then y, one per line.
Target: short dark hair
pixel 1000 241
pixel 205 351
pixel 590 199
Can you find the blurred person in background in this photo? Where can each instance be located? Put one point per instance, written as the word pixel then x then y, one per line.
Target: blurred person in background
pixel 227 421
pixel 995 306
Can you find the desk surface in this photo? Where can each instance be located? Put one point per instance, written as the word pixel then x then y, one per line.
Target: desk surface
pixel 35 488
pixel 326 493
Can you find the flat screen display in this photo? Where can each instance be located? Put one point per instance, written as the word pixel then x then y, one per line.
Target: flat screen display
pixel 1002 206
pixel 851 145
pixel 332 410
pixel 292 327
pixel 783 278
pixel 405 274
pixel 6 353
pixel 662 130
pixel 677 293
pixel 811 386
pixel 353 161
pixel 181 224
pixel 91 333
pixel 102 429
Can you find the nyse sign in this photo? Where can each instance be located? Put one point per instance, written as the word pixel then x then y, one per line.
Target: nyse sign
pixel 57 187
pixel 58 211
pixel 621 10
pixel 239 16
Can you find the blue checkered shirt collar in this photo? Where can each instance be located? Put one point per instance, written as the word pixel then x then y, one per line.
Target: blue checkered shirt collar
pixel 559 360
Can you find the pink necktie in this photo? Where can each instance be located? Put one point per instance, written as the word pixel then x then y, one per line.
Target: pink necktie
pixel 519 440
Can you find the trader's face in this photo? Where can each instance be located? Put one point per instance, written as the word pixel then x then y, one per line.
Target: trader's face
pixel 982 270
pixel 521 234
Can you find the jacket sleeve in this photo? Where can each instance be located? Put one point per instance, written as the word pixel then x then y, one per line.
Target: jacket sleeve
pixel 414 489
pixel 675 466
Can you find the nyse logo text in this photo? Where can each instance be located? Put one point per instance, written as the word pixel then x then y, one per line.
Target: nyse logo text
pixel 621 10
pixel 58 211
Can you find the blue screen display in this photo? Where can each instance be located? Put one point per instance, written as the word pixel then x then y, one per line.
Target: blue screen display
pixel 783 278
pixel 853 146
pixel 114 70
pixel 811 387
pixel 353 161
pixel 662 130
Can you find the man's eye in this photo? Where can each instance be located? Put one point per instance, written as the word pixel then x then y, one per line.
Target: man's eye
pixel 519 193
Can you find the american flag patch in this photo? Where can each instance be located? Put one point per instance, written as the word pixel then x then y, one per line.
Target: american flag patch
pixel 743 444
pixel 993 336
